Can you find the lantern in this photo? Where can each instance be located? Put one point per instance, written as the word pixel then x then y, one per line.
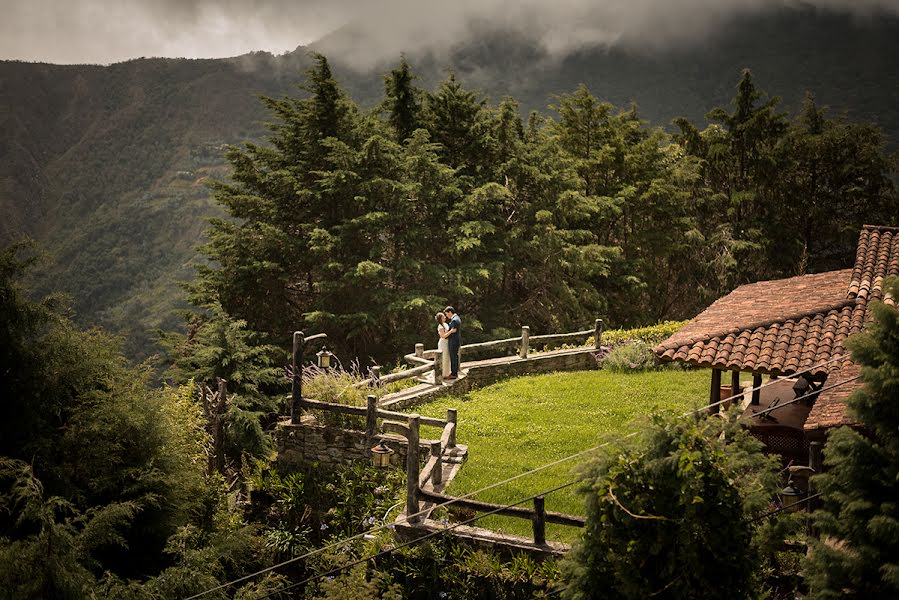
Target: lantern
pixel 380 455
pixel 791 497
pixel 323 358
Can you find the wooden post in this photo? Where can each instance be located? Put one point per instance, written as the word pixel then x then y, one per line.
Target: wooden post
pixel 815 460
pixel 756 383
pixel 539 521
pixel 597 334
pixel 412 469
pixel 296 392
pixel 437 473
pixel 371 417
pixel 218 427
pixel 419 350
pixel 451 416
pixel 525 341
pixel 438 368
pixel 375 376
pixel 735 385
pixel 715 393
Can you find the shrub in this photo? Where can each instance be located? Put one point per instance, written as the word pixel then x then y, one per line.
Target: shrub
pixel 630 358
pixel 669 513
pixel 652 334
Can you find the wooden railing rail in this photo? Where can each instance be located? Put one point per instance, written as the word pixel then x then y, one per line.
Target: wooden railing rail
pixel 538 516
pixel 372 412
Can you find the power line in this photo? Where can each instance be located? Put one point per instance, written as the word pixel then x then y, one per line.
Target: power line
pixel 555 489
pixel 497 484
pixel 415 541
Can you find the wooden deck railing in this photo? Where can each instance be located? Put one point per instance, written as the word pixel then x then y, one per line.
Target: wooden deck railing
pixel 538 515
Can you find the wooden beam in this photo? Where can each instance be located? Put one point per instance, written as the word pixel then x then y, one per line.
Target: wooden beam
pixel 734 384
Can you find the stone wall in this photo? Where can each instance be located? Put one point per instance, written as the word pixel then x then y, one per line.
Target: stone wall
pixel 310 442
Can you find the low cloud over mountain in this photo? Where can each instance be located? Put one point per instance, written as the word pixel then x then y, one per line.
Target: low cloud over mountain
pixel 366 33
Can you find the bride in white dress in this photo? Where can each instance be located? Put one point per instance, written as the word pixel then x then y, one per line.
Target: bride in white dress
pixel 443 342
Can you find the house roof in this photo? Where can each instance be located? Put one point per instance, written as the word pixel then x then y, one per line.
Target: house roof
pixel 785 326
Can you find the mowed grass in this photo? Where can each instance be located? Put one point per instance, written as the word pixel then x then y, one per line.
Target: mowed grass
pixel 522 423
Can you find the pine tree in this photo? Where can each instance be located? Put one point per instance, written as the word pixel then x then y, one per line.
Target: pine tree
pixel 457 120
pixel 402 101
pixel 857 553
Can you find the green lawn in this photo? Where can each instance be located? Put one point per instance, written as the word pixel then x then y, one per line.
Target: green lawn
pixel 522 423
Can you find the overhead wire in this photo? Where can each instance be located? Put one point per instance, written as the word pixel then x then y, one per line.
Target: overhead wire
pixel 407 518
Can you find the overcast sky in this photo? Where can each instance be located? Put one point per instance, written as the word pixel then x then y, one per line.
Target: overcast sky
pixel 105 31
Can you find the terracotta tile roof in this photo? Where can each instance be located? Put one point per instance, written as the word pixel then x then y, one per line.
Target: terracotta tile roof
pixel 777 327
pixel 789 325
pixel 830 409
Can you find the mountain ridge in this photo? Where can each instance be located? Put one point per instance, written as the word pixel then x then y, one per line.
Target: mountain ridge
pixel 105 164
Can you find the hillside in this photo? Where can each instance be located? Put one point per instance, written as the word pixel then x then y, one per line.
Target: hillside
pixel 105 165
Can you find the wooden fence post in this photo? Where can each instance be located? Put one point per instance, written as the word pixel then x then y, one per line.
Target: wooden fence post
pixel 371 417
pixel 525 341
pixel 375 375
pixel 419 350
pixel 437 473
pixel 438 368
pixel 451 416
pixel 296 392
pixel 539 521
pixel 597 334
pixel 412 469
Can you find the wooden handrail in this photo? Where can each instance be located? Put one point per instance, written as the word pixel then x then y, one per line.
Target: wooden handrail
pixel 519 512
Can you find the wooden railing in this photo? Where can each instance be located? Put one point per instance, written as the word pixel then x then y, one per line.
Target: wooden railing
pixel 538 516
pixel 426 361
pixel 523 344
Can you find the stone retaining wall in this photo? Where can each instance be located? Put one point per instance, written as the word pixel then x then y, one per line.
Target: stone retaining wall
pixel 308 442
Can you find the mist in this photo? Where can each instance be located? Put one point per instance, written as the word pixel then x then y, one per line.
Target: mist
pixel 365 34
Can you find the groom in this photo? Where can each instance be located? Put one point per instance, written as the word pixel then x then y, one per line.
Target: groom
pixel 455 340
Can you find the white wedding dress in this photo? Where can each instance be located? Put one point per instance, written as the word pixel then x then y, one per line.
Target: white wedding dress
pixel 443 346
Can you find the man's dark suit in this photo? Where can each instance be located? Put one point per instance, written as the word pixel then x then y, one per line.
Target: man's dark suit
pixel 455 342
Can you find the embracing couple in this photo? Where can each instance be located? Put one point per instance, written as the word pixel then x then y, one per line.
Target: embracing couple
pixel 449 328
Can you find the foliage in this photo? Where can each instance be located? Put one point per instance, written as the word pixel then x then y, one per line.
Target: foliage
pixel 630 358
pixel 334 222
pixel 651 334
pixel 102 479
pixel 217 347
pixel 667 513
pixel 856 553
pixel 444 568
pixel 307 507
pixel 522 423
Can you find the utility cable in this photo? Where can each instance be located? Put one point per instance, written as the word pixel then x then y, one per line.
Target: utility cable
pixel 495 485
pixel 415 541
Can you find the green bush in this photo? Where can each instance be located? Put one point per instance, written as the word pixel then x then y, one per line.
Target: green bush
pixel 651 334
pixel 630 358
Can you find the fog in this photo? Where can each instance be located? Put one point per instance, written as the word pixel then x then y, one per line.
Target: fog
pixel 365 33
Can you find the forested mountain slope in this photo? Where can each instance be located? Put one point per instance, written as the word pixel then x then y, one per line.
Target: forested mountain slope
pixel 106 165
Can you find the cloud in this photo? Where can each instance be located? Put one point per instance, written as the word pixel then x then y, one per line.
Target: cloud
pixel 369 32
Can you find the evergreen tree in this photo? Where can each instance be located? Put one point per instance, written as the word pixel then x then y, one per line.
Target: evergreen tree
pixel 402 101
pixel 458 121
pixel 857 553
